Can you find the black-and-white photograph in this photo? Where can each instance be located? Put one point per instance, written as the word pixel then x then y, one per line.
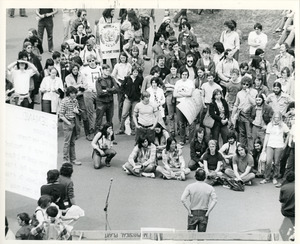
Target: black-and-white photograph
pixel 127 122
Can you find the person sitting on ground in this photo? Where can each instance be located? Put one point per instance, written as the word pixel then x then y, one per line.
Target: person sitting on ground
pixel 198 147
pixel 161 137
pixel 242 164
pixel 54 189
pixel 65 174
pixel 102 145
pixel 228 149
pixel 173 161
pixel 24 232
pixel 212 162
pixel 142 160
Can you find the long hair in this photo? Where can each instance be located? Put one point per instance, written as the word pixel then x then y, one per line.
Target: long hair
pixel 198 131
pixel 242 146
pixel 280 116
pixel 104 130
pixel 169 142
pixel 215 92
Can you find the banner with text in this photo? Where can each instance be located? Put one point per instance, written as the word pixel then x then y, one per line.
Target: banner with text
pixel 191 106
pixel 110 40
pixel 30 149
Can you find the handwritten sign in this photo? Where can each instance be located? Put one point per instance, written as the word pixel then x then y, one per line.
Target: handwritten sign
pixel 30 149
pixel 110 40
pixel 191 106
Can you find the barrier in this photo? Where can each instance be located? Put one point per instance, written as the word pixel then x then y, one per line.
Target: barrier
pixel 159 234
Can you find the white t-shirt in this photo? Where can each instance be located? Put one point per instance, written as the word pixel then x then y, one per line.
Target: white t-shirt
pixel 260 39
pixel 121 70
pixel 90 76
pixel 21 80
pixel 187 86
pixel 276 135
pixel 145 113
pixel 208 90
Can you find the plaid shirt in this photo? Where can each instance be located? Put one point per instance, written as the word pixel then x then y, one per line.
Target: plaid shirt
pixel 67 107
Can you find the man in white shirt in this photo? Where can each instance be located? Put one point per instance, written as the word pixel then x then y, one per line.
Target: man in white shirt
pixel 91 74
pixel 257 39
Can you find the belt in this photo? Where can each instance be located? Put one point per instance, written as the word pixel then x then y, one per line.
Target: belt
pixel 147 126
pixel 198 211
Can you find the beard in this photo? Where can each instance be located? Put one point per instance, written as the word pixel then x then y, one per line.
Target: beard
pixel 277 93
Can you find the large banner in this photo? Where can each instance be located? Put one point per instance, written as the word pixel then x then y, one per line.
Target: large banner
pixel 191 106
pixel 110 40
pixel 30 149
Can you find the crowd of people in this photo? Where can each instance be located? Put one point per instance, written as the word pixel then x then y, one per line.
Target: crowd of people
pixel 244 129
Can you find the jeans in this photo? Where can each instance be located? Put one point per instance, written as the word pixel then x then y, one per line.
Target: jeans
pixel 245 178
pixel 67 22
pixel 127 105
pixel 217 129
pixel 182 125
pixel 172 173
pixel 104 108
pixel 198 220
pixel 90 100
pixel 69 142
pixel 290 165
pixel 258 132
pixel 83 116
pixel 148 169
pixel 109 154
pixel 46 23
pixel 25 103
pixel 121 98
pixel 150 134
pixel 171 113
pixel 245 132
pixel 273 155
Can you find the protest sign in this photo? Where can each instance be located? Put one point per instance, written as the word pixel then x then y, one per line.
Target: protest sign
pixel 110 40
pixel 30 149
pixel 191 106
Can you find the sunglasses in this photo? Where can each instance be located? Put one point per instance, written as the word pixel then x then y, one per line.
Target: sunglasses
pixel 89 61
pixel 245 84
pixel 189 61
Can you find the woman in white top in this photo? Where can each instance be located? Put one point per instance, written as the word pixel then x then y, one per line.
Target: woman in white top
pixel 157 96
pixel 120 71
pixel 273 147
pixel 51 89
pixel 230 39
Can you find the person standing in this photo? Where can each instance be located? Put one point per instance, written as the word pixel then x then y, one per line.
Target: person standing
pixel 68 16
pixel 45 16
pixel 230 39
pixel 257 39
pixel 202 198
pixel 11 12
pixel 91 74
pixel 106 86
pixel 68 110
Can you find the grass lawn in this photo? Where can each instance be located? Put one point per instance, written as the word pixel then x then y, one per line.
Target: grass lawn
pixel 209 26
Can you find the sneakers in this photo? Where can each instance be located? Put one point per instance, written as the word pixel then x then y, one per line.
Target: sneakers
pixel 107 164
pixel 248 183
pixel 145 57
pixel 148 175
pixel 115 143
pixel 226 186
pixel 76 163
pixel 275 182
pixel 132 133
pixel 264 181
pixel 181 143
pixel 277 46
pixel 278 185
pixel 123 167
pixel 120 132
pixel 181 177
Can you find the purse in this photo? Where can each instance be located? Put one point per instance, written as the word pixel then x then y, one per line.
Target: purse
pixel 208 121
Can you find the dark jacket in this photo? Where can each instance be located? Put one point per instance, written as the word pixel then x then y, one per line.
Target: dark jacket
pixel 55 190
pixel 197 149
pixel 109 84
pixel 211 66
pixel 132 88
pixel 215 113
pixel 267 113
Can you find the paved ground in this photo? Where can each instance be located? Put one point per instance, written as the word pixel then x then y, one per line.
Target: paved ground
pixel 140 202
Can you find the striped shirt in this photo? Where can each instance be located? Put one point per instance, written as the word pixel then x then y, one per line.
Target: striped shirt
pixel 67 108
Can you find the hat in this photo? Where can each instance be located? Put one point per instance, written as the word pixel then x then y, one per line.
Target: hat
pixel 166 18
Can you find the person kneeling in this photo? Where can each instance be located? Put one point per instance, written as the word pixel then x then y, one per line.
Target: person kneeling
pixel 242 164
pixel 141 161
pixel 174 164
pixel 102 144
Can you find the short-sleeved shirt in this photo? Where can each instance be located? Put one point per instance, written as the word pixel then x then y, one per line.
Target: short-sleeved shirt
pixel 243 162
pixel 212 160
pixel 21 80
pixel 276 135
pixel 279 103
pixel 208 90
pixel 145 113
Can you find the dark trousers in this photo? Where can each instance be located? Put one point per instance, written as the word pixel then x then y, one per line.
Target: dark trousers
pixel 46 23
pixel 11 11
pixel 46 106
pixel 104 108
pixel 217 129
pixel 198 220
